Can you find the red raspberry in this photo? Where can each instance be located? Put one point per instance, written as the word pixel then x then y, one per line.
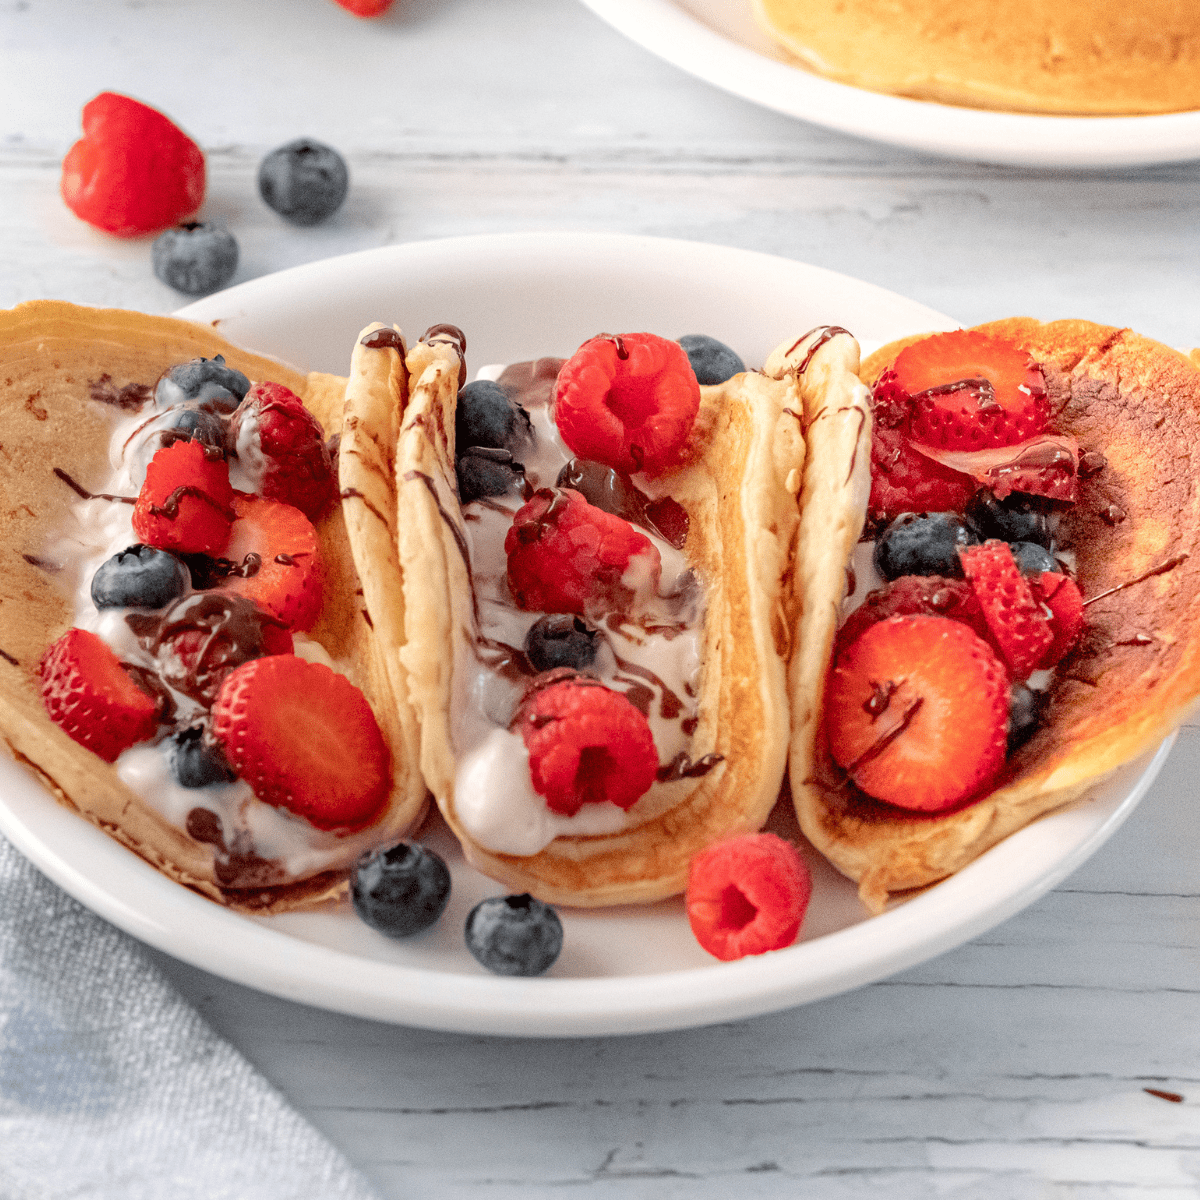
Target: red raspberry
pixel 184 504
pixel 366 8
pixel 628 401
pixel 133 171
pixel 916 711
pixel 1061 595
pixel 305 739
pixel 967 391
pixel 277 560
pixel 89 694
pixel 747 895
pixel 275 435
pixel 903 480
pixel 1019 626
pixel 930 594
pixel 587 745
pixel 566 555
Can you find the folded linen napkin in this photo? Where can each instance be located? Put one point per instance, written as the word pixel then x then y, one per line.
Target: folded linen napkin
pixel 113 1088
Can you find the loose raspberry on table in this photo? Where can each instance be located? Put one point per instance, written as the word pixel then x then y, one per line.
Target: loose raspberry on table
pixel 1018 624
pixel 747 895
pixel 185 502
pixel 133 171
pixel 627 400
pixel 566 555
pixel 587 745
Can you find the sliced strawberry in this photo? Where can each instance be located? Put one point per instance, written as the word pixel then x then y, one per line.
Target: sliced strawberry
pixel 916 711
pixel 277 560
pixel 1018 624
pixel 1061 595
pixel 903 480
pixel 89 694
pixel 1047 465
pixel 185 501
pixel 305 739
pixel 967 391
pixel 930 594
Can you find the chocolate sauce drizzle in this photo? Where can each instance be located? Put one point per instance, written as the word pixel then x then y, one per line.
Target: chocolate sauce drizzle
pixel 450 335
pixel 877 747
pixel 384 339
pixel 42 564
pixel 129 398
pixel 682 767
pixel 1161 569
pixel 827 332
pixel 84 494
pixel 351 493
pixel 8 658
pixel 169 508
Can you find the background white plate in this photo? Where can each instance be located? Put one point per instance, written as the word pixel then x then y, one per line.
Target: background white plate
pixel 719 41
pixel 622 970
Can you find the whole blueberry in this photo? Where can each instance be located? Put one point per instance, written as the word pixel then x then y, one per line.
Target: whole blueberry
pixel 483 472
pixel 712 361
pixel 1031 558
pixel 196 764
pixel 139 577
pixel 561 640
pixel 206 381
pixel 400 890
pixel 304 181
pixel 1016 518
pixel 485 416
pixel 923 544
pixel 514 935
pixel 195 258
pixel 1024 715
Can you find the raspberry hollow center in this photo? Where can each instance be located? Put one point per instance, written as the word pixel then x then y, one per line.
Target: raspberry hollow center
pixel 736 910
pixel 627 402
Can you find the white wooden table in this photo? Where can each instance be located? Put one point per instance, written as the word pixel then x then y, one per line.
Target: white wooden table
pixel 1015 1066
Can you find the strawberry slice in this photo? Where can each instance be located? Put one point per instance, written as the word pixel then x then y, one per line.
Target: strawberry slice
pixel 916 711
pixel 904 480
pixel 930 594
pixel 305 739
pixel 184 504
pixel 1061 595
pixel 1018 624
pixel 89 694
pixel 966 391
pixel 276 560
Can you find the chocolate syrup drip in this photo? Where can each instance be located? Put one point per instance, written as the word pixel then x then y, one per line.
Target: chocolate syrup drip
pixel 881 696
pixel 617 340
pixel 828 333
pixel 450 335
pixel 614 492
pixel 1161 569
pixel 670 705
pixel 8 658
pixel 682 767
pixel 1091 463
pixel 862 420
pixel 130 398
pixel 351 493
pixel 42 564
pixel 384 339
pixel 203 825
pixel 1173 1097
pixel 1138 639
pixel 209 572
pixel 877 747
pixel 459 538
pixel 149 682
pixel 1112 514
pixel 285 560
pixel 977 388
pixel 688 725
pixel 531 531
pixel 367 618
pixel 509 662
pixel 531 384
pixel 84 494
pixel 169 508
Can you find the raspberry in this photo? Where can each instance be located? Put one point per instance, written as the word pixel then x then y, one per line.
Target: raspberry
pixel 566 555
pixel 365 8
pixel 305 739
pixel 133 171
pixel 587 745
pixel 916 712
pixel 903 480
pixel 1061 595
pixel 88 693
pixel 283 444
pixel 628 401
pixel 930 594
pixel 747 895
pixel 1019 626
pixel 967 391
pixel 184 504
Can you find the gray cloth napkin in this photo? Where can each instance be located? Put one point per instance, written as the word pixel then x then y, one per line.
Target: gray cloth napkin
pixel 113 1088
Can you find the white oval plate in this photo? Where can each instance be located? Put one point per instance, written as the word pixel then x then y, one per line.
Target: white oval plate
pixel 720 42
pixel 625 970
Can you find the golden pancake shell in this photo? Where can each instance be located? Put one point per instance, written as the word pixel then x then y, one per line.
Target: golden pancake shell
pixel 62 371
pixel 1136 672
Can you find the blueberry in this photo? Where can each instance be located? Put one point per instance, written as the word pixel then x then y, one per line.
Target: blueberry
pixel 923 544
pixel 1024 715
pixel 561 640
pixel 514 935
pixel 195 258
pixel 401 890
pixel 195 764
pixel 199 424
pixel 207 381
pixel 1016 518
pixel 485 416
pixel 483 472
pixel 712 361
pixel 303 181
pixel 139 577
pixel 1032 558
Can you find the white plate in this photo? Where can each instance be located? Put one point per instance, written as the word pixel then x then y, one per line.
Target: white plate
pixel 719 41
pixel 622 970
